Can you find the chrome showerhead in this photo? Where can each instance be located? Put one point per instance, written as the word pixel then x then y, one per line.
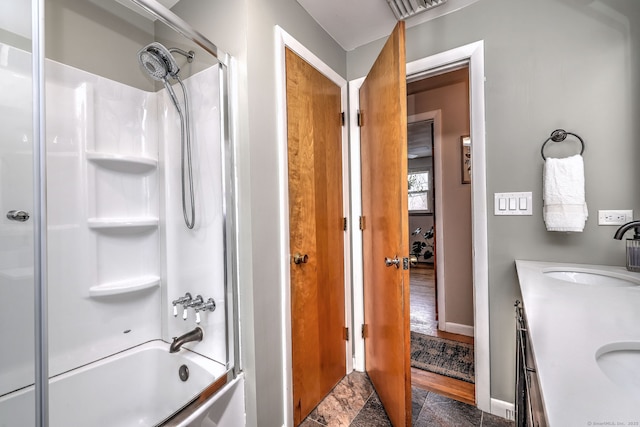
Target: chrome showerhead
pixel 158 62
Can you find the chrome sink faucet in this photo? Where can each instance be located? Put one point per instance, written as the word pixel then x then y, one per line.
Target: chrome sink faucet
pixel 196 335
pixel 633 245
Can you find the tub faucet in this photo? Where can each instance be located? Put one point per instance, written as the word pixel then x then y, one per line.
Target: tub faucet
pixel 178 342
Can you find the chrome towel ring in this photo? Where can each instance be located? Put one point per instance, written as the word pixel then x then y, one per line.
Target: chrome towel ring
pixel 560 135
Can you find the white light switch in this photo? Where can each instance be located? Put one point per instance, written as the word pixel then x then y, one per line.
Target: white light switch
pixel 513 203
pixel 523 203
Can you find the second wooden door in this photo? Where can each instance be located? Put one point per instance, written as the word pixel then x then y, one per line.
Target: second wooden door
pixel 316 234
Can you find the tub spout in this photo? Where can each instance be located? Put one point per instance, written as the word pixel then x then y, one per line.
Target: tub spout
pixel 178 342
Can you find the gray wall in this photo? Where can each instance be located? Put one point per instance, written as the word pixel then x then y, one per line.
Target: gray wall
pixel 101 38
pixel 549 64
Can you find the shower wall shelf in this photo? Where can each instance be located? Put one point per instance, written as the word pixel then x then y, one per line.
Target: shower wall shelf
pixel 124 286
pixel 122 163
pixel 115 223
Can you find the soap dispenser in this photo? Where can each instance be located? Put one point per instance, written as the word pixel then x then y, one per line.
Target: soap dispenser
pixel 633 245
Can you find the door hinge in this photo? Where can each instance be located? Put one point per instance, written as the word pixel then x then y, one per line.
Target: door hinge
pixel 361 223
pixel 365 331
pixel 346 334
pixel 342 118
pixel 360 120
pixel 344 224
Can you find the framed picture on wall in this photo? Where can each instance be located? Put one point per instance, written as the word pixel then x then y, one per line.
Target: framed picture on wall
pixel 465 158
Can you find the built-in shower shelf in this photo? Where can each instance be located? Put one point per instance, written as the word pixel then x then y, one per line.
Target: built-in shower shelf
pixel 124 286
pixel 122 163
pixel 117 223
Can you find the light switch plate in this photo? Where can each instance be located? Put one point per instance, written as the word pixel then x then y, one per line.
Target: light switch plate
pixel 513 203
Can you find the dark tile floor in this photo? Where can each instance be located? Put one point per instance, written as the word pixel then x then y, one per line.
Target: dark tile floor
pixel 354 402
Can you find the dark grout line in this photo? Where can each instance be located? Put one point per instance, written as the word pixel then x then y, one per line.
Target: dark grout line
pixel 363 406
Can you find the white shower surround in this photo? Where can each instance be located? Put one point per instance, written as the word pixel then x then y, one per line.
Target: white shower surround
pixel 119 251
pixel 194 259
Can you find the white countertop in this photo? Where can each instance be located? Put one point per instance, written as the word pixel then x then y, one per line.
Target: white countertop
pixel 568 322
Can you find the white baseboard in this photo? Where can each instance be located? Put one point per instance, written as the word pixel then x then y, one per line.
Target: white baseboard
pixel 503 409
pixel 456 328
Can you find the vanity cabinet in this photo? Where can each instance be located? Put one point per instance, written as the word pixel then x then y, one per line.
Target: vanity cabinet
pixel 529 405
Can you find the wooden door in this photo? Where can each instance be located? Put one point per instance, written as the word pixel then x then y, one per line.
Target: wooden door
pixel 383 105
pixel 316 234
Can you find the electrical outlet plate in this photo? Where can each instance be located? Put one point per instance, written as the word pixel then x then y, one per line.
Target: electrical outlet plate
pixel 614 217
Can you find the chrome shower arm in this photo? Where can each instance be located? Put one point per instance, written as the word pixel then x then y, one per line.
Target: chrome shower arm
pixel 190 55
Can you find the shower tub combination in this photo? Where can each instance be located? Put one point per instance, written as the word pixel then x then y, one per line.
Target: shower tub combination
pixel 140 240
pixel 142 386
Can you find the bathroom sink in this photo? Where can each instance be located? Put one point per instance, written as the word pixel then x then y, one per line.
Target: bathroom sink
pixel 620 362
pixel 600 278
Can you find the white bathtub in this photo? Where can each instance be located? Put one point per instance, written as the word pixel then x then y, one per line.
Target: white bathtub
pixel 137 387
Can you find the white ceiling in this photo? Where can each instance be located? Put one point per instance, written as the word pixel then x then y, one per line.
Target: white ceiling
pixel 353 23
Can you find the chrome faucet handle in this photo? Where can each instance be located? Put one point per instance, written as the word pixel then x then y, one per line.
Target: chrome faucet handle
pixel 192 303
pixel 182 300
pixel 210 305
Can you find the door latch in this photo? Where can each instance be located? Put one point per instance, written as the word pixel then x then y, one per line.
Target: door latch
pixel 20 216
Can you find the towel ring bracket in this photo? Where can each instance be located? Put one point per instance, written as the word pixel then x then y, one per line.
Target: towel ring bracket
pixel 560 135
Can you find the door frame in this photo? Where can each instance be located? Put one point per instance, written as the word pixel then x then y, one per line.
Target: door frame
pixel 436 117
pixel 285 40
pixel 473 54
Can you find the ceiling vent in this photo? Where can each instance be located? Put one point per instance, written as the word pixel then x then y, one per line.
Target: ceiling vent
pixel 404 9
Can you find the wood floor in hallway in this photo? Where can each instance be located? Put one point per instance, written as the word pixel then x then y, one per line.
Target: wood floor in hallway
pixel 423 320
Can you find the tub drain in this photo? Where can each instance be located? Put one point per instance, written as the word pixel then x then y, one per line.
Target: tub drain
pixel 183 372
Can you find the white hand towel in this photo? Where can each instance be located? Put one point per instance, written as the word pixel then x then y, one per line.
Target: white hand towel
pixel 565 208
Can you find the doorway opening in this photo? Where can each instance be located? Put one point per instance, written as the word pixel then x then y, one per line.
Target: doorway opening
pixel 441 280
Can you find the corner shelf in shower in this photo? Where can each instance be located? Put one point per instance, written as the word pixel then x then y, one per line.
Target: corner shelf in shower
pixel 124 286
pixel 122 163
pixel 122 223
